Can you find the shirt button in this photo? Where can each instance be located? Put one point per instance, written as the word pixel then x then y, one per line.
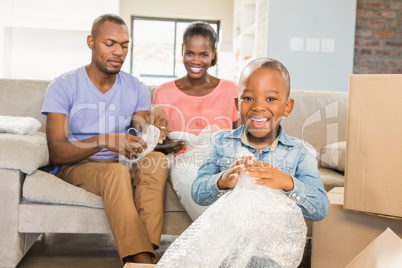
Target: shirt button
pixel 294 195
pixel 227 161
pixel 298 198
pixel 254 151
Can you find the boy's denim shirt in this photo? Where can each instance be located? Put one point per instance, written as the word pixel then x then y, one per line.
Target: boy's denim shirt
pixel 292 155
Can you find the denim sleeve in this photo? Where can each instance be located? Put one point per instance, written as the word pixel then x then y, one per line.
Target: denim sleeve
pixel 204 189
pixel 308 192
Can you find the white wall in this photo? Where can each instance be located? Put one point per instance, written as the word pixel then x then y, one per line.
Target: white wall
pixel 190 9
pixel 185 9
pixel 313 66
pixel 42 39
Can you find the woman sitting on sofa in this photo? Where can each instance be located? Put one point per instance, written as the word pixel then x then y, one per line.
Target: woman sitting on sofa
pixel 196 101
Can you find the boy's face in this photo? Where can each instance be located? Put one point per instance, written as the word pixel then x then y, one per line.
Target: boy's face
pixel 263 102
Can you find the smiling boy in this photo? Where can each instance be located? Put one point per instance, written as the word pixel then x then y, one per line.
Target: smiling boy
pixel 279 161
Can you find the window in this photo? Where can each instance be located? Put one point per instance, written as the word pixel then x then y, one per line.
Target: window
pixel 156 48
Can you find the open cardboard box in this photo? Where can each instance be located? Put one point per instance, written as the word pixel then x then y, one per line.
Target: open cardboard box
pixel 373 172
pixel 343 234
pixel 384 251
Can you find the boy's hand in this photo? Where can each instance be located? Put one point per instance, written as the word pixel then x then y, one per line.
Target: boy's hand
pixel 268 175
pixel 229 177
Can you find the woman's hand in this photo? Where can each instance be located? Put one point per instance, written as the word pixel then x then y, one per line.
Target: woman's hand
pixel 170 146
pixel 230 176
pixel 157 117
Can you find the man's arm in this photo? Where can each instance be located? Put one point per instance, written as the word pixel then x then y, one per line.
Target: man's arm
pixel 62 151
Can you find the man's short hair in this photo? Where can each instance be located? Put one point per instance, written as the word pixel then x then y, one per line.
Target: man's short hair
pixel 103 18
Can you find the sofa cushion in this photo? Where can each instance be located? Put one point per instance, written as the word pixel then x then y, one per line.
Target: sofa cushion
pixel 333 156
pixel 318 117
pixel 42 187
pixel 331 178
pixel 24 152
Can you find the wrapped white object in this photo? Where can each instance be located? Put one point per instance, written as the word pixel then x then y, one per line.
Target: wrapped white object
pixel 196 145
pixel 251 226
pixel 151 138
pixel 183 168
pixel 19 125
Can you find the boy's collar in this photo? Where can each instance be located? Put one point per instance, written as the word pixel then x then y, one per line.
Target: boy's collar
pixel 245 141
pixel 236 134
pixel 283 138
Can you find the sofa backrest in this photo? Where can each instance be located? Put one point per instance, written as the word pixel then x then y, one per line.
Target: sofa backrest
pixel 20 97
pixel 319 117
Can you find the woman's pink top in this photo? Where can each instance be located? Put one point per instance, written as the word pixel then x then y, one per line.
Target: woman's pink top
pixel 193 113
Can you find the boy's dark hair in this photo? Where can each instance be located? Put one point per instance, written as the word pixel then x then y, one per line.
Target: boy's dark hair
pixel 103 18
pixel 266 63
pixel 205 30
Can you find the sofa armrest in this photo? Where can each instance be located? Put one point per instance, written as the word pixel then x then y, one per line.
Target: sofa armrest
pixel 24 152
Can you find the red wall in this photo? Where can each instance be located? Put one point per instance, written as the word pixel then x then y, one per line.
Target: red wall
pixel 378 39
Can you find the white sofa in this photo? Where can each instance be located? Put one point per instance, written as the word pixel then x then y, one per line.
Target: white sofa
pixel 34 202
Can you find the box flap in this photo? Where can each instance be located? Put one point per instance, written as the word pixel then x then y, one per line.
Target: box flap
pixel 336 196
pixel 384 251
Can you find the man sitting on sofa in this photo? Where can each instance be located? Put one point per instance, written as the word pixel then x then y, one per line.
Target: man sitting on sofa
pixel 88 113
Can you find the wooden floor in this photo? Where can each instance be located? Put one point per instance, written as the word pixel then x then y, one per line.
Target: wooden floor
pixel 91 250
pixel 78 251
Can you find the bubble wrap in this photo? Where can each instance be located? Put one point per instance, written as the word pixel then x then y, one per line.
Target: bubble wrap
pixel 151 138
pixel 197 146
pixel 251 226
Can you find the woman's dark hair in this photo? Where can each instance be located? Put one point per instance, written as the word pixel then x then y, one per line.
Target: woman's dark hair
pixel 205 30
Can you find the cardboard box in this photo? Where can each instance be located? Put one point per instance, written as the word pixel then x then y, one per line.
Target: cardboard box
pixel 373 172
pixel 384 251
pixel 343 234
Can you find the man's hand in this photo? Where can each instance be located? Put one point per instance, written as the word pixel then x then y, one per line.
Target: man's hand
pixel 157 117
pixel 229 177
pixel 170 146
pixel 124 144
pixel 268 175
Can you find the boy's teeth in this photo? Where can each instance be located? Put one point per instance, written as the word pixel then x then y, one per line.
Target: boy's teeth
pixel 259 119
